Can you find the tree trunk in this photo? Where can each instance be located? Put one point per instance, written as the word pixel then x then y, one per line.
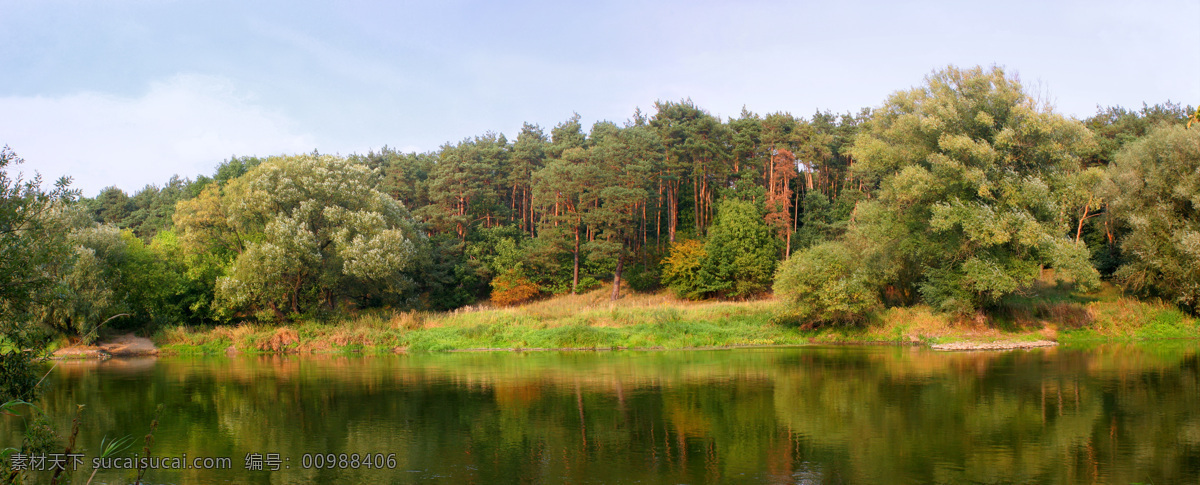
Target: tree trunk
pixel 529 212
pixel 645 232
pixel 616 292
pixel 1082 218
pixel 1107 228
pixel 672 210
pixel 658 205
pixel 795 211
pixel 575 271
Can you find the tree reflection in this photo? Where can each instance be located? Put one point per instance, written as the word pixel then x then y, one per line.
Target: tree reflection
pixel 808 415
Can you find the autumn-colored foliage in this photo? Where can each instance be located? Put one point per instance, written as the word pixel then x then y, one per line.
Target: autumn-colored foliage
pixel 779 194
pixel 513 288
pixel 681 269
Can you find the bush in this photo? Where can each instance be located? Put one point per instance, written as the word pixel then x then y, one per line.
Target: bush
pixel 512 288
pixel 742 251
pixel 642 278
pixel 827 283
pixel 681 269
pixel 738 259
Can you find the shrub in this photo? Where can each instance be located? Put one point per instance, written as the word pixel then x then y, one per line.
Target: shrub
pixel 827 283
pixel 642 278
pixel 738 259
pixel 512 288
pixel 742 251
pixel 681 268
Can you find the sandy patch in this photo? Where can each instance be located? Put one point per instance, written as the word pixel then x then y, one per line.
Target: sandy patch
pixel 128 345
pixel 994 345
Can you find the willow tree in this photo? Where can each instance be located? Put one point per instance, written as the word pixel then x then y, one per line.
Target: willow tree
pixel 966 163
pixel 29 243
pixel 304 231
pixel 963 211
pixel 1155 190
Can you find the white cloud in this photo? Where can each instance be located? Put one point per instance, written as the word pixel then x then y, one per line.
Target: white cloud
pixel 185 125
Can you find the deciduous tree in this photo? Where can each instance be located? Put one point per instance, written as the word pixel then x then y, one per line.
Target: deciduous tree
pixel 306 230
pixel 1155 189
pixel 961 169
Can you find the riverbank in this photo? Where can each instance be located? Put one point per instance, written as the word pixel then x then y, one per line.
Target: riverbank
pixel 126 345
pixel 661 321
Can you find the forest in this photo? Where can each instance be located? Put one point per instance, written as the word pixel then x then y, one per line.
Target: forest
pixel 955 194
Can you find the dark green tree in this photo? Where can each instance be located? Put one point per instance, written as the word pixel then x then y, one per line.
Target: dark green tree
pixel 741 252
pixel 467 186
pixel 624 161
pixel 111 206
pixel 528 156
pixel 404 176
pixel 563 191
pixel 697 150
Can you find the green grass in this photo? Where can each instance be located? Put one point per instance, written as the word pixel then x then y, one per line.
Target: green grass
pixel 583 321
pixel 660 321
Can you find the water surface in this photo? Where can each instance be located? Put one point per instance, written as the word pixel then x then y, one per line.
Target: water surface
pixel 1114 414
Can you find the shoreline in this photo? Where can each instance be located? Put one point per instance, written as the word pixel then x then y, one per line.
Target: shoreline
pixel 659 321
pixel 89 353
pixel 97 353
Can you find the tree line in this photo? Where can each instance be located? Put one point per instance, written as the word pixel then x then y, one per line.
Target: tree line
pixel 955 194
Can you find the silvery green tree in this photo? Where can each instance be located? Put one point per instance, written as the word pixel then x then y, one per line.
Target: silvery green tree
pixel 302 232
pixel 29 244
pixel 962 173
pixel 1155 189
pixel 87 288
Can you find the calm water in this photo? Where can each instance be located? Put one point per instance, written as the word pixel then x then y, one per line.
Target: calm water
pixel 797 415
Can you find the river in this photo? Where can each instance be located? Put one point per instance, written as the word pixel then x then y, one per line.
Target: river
pixel 1106 414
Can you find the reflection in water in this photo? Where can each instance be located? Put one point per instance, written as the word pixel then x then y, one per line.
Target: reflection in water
pixel 797 415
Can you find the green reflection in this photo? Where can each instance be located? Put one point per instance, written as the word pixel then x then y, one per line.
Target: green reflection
pixel 1115 414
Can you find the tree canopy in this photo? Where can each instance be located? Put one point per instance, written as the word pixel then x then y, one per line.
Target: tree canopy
pixel 957 193
pixel 28 246
pixel 301 231
pixel 963 171
pixel 1155 189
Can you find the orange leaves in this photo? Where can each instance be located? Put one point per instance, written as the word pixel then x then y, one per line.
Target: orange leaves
pixel 512 288
pixel 779 192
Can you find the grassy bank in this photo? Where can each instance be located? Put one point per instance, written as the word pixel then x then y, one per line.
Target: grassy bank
pixel 660 321
pixel 577 321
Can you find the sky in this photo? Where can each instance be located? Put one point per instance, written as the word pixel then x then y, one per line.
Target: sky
pixel 131 92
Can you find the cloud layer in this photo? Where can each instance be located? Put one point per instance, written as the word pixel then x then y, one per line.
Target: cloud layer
pixel 184 125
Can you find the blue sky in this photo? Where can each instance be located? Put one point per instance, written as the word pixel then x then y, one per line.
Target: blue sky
pixel 129 92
